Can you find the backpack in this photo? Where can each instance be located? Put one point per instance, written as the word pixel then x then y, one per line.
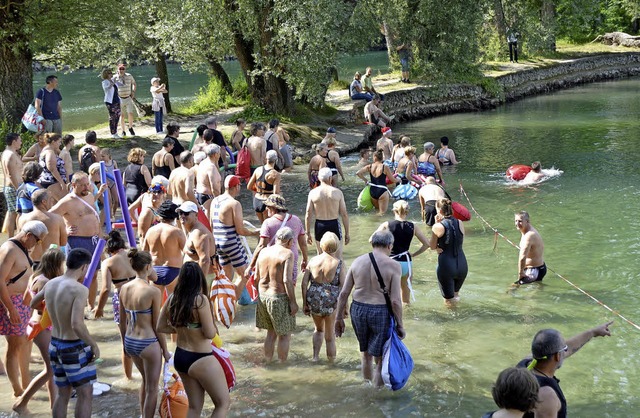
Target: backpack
pixel 223 296
pixel 88 157
pixel 243 163
pixel 397 363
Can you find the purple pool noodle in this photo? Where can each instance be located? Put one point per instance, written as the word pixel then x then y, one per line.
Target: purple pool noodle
pixel 95 260
pixel 105 197
pixel 126 218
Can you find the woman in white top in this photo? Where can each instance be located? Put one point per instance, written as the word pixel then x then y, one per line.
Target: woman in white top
pixel 158 106
pixel 112 100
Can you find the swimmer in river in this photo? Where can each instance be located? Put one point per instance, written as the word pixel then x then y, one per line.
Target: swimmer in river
pixel 531 266
pixel 535 175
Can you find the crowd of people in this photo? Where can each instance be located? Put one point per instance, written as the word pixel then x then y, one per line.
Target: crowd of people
pixel 190 224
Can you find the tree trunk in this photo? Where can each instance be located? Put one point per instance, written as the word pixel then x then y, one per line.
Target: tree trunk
pixel 161 71
pixel 389 40
pixel 218 72
pixel 548 20
pixel 499 19
pixel 16 72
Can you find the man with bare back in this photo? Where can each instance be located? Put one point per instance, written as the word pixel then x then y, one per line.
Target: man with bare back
pixel 200 245
pixel 208 178
pixel 257 145
pixel 531 266
pixel 12 170
pixel 182 180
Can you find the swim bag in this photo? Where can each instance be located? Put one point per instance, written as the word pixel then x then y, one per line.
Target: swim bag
pixel 397 363
pixel 224 358
pixel 223 296
pixel 243 163
pixel 518 171
pixel 174 402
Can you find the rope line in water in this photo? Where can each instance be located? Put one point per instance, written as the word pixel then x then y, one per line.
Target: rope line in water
pixel 495 243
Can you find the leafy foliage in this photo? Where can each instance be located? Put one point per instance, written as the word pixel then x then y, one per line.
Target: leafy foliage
pixel 214 97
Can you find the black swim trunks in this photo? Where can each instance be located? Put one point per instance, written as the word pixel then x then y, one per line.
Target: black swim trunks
pixel 533 274
pixel 329 225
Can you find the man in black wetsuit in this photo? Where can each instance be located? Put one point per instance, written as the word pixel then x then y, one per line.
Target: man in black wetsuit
pixel 549 350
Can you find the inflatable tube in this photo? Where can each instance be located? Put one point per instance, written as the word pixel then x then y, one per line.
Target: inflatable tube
pixel 460 212
pixel 518 172
pixel 364 199
pixel 405 191
pixel 232 158
pixel 105 198
pixel 230 166
pixel 95 260
pixel 126 217
pixel 193 139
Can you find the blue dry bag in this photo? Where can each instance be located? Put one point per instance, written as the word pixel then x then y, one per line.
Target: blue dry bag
pixel 397 363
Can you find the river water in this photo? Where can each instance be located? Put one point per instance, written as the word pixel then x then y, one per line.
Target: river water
pixel 588 219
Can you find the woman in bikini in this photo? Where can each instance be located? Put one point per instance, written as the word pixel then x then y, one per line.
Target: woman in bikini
pixel 321 286
pixel 54 175
pixel 189 313
pixel 51 266
pixel 117 270
pixel 379 174
pixel 140 304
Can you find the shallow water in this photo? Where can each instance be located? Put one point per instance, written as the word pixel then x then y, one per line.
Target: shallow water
pixel 587 218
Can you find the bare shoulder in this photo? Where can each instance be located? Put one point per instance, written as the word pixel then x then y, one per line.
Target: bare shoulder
pixel 548 402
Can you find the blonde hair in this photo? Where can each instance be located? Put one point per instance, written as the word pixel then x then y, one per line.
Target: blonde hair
pixel 106 151
pixel 409 150
pixel 401 207
pixel 105 72
pixel 136 155
pixel 93 168
pixel 329 242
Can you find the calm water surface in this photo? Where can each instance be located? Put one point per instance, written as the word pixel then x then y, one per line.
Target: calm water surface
pixel 588 219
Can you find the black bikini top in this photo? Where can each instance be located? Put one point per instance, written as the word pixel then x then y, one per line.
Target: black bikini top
pixel 126 279
pixel 26 254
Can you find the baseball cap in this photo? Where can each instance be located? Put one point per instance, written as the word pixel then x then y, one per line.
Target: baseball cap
pixel 231 181
pixel 331 130
pixel 154 79
pixel 187 207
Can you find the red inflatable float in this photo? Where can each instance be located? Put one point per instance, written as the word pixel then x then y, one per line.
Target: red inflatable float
pixel 518 172
pixel 460 212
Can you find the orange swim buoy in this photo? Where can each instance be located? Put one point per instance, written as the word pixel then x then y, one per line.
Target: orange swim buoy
pixel 460 212
pixel 518 172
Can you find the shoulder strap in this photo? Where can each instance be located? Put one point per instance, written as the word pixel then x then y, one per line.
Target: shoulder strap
pixel 384 289
pixel 23 249
pixel 282 225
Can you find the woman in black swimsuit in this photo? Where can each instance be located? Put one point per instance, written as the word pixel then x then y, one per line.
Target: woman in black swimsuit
pixel 379 174
pixel 189 313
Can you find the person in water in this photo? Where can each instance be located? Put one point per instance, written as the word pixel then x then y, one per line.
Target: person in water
pixel 548 351
pixel 531 266
pixel 535 175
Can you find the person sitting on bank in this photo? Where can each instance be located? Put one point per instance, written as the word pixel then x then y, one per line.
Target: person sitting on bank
pixel 373 114
pixel 356 91
pixel 368 83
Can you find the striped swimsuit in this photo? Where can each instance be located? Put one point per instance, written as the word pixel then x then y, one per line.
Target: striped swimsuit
pixel 228 246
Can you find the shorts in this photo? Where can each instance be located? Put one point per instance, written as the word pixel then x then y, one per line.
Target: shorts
pixel 166 274
pixel 24 312
pixel 533 274
pixel 273 313
pixel 404 63
pixel 329 225
pixel 127 105
pixel 71 362
pixel 53 125
pixel 259 204
pixel 231 251
pixel 430 212
pixel 11 198
pixel 371 325
pixel 88 243
pixel 202 198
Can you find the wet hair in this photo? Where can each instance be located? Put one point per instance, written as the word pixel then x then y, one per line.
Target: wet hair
pixel 378 155
pixel 409 150
pixel 50 79
pixel 115 242
pixel 212 149
pixel 51 264
pixel 172 128
pixel 136 155
pixel 536 167
pixel 240 122
pixel 444 205
pixel 200 129
pixel 11 138
pixel 274 123
pixel 325 174
pixel 90 137
pixel 516 388
pixel 139 259
pixel 381 239
pixel 77 258
pixel 66 140
pixel 524 214
pixel 167 142
pixel 31 172
pixel 401 207
pixel 39 196
pixel 284 234
pixel 185 157
pixel 190 285
pixel 545 343
pixel 207 135
pixel 272 156
pixel 329 242
pixel 444 140
pixel 52 137
pixel 255 127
